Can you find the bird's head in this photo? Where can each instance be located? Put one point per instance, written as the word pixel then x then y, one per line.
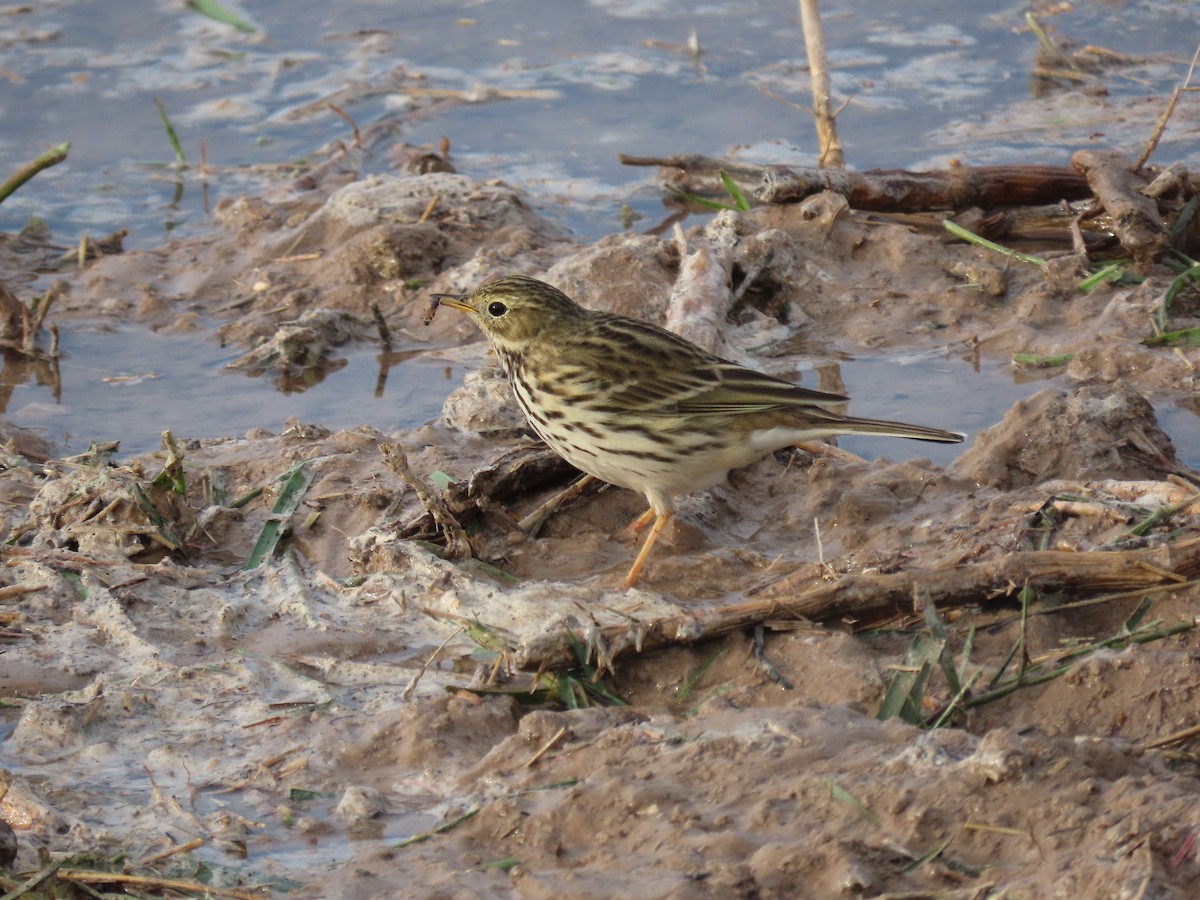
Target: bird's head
pixel 516 310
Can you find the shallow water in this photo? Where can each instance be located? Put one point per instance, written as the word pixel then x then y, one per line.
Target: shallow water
pixel 153 382
pixel 130 385
pixel 929 81
pixel 614 76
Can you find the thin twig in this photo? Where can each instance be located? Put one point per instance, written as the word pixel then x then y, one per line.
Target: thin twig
pixel 1156 135
pixel 433 201
pixel 1175 737
pixel 169 852
pixel 457 545
pixel 88 876
pixel 546 747
pixel 412 684
pixel 349 121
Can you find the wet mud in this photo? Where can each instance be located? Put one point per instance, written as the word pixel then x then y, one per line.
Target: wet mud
pixel 288 715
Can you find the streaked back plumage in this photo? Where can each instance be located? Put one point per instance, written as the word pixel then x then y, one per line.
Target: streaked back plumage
pixel 640 407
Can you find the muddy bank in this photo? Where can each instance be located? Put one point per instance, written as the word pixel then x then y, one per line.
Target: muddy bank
pixel 284 715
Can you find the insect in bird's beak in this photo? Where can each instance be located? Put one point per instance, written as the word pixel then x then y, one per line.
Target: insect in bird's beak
pixel 436 300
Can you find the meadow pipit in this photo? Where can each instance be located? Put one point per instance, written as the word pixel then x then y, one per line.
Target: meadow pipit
pixel 639 407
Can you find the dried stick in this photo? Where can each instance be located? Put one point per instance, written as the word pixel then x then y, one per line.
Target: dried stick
pixel 814 44
pixel 796 596
pixel 1161 126
pixel 898 190
pixel 457 545
pixel 533 522
pixel 892 190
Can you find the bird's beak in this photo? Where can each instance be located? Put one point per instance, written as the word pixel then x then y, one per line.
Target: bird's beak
pixel 455 301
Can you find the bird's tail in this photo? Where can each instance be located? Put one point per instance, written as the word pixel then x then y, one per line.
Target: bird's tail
pixel 884 428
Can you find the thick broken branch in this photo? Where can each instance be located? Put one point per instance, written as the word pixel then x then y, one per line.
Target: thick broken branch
pixel 871 597
pixel 956 188
pixel 1135 218
pixel 892 190
pixel 1084 573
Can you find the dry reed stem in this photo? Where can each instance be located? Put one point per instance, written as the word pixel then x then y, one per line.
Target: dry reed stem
pixel 814 44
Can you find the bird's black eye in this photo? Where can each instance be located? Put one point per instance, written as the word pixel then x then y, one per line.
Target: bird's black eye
pixel 496 309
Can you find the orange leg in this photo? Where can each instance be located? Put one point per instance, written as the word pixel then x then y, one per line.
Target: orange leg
pixel 640 522
pixel 659 524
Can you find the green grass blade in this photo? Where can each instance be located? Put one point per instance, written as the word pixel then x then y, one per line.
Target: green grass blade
pixel 246 498
pixel 165 534
pixel 1185 337
pixel 296 481
pixel 1189 276
pixel 968 646
pixel 689 685
pixel 51 157
pixel 962 234
pixel 938 629
pixel 441 829
pixel 698 200
pixel 735 192
pixel 1017 647
pixel 172 477
pixel 1111 272
pixel 552 786
pixel 171 135
pixel 906 692
pixel 1037 361
pixel 1130 625
pixel 928 857
pixel 1035 674
pixel 956 701
pixel 842 795
pixel 507 864
pixel 1182 222
pixel 218 13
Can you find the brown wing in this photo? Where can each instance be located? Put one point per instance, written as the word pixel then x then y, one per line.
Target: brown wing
pixel 623 364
